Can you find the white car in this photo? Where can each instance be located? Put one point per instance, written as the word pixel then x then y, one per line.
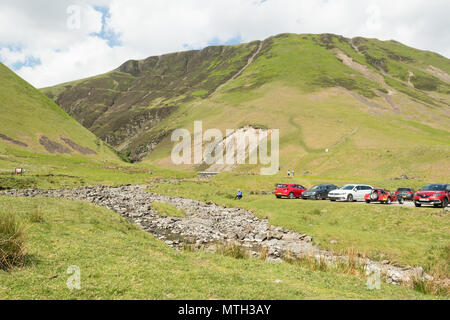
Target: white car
pixel 350 193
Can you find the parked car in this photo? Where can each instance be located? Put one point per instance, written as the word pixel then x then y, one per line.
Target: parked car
pixel 382 195
pixel 289 190
pixel 350 193
pixel 319 192
pixel 437 195
pixel 405 193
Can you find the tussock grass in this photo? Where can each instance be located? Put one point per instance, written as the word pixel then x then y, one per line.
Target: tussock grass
pixel 167 210
pixel 12 242
pixel 232 250
pixel 36 216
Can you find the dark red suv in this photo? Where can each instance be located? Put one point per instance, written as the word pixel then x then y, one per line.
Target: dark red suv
pixel 289 190
pixel 433 194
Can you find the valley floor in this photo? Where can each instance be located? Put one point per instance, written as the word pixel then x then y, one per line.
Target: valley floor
pixel 119 261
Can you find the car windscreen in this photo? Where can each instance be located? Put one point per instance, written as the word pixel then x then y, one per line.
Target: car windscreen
pixel 434 187
pixel 404 190
pixel 280 186
pixel 315 188
pixel 348 187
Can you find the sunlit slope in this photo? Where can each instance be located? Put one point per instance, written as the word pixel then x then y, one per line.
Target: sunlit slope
pixel 32 123
pixel 121 105
pixel 381 108
pixel 371 120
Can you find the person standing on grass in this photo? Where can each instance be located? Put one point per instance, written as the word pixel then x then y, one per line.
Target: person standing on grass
pixel 293 173
pixel 289 173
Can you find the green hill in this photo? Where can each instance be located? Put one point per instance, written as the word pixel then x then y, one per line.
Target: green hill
pixel 30 122
pixel 380 107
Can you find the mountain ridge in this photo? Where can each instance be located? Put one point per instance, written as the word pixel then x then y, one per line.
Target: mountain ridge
pixel 372 82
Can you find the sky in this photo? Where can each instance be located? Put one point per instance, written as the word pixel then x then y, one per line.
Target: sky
pixel 48 42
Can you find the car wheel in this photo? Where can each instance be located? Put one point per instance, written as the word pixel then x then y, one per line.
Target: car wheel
pixel 291 196
pixel 418 205
pixel 278 197
pixel 350 198
pixel 367 201
pixel 374 196
pixel 444 203
pixel 332 200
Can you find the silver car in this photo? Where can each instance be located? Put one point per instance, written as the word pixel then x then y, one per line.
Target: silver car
pixel 350 193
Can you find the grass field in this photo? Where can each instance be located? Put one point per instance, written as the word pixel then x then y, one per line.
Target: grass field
pixel 118 261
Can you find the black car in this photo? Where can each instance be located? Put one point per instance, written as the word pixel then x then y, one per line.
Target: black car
pixel 405 193
pixel 319 192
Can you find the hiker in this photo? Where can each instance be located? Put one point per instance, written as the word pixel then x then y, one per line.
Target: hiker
pixel 239 195
pixel 289 173
pixel 293 173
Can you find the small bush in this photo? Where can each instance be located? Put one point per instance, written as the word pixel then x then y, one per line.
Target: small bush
pixel 12 243
pixel 425 83
pixel 437 287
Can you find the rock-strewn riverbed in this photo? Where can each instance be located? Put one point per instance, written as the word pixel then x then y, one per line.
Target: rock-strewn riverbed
pixel 207 225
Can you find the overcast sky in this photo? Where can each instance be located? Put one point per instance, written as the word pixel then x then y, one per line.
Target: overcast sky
pixel 52 41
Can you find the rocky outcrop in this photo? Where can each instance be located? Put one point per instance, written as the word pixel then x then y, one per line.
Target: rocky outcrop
pixel 207 225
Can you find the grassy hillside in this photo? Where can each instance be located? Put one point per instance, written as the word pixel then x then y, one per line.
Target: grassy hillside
pixel 300 85
pixel 133 265
pixel 32 123
pixel 379 101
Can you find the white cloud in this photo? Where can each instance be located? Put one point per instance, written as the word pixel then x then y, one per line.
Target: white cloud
pixel 40 30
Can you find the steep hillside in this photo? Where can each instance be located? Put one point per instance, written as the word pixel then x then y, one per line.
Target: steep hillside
pixel 119 105
pixel 381 108
pixel 30 123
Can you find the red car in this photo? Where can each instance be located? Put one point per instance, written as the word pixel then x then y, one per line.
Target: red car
pixel 289 190
pixel 382 195
pixel 437 195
